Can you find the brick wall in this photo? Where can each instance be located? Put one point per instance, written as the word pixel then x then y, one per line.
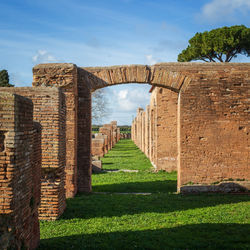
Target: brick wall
pixel 214 130
pixel 49 112
pixel 19 174
pixel 107 132
pixel 98 147
pixel 166 129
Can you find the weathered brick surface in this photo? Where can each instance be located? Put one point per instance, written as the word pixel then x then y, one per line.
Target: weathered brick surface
pixel 19 173
pixel 107 132
pixel 64 76
pixel 105 138
pixel 164 125
pixel 49 112
pixel 176 77
pixel 208 129
pixel 212 122
pixel 98 147
pixel 109 127
pixel 214 127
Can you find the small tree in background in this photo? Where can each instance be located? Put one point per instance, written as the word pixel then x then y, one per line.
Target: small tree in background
pixel 100 106
pixel 220 44
pixel 4 79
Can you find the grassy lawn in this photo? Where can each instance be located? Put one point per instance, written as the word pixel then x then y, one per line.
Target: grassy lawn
pixel 162 220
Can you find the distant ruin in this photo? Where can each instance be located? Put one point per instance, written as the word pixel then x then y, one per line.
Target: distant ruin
pixel 45 135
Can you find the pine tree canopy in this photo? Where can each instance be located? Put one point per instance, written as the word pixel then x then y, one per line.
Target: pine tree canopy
pixel 218 45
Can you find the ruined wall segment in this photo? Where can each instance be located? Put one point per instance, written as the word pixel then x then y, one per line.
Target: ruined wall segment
pixel 107 132
pixel 65 77
pixel 165 126
pixel 49 113
pixel 19 175
pixel 177 77
pixel 214 130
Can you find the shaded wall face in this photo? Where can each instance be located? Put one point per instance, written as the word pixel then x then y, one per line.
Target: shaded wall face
pixel 19 174
pixel 166 126
pixel 214 130
pixel 84 168
pixel 152 128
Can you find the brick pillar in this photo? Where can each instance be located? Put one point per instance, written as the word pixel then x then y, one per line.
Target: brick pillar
pixel 64 76
pixel 106 131
pixel 166 155
pixel 143 132
pixel 84 136
pixel 118 134
pixel 152 147
pixel 98 147
pixel 132 130
pixel 19 174
pixel 110 127
pixel 147 131
pixel 139 127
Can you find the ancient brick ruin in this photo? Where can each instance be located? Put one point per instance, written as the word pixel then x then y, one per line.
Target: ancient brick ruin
pixel 199 119
pixel 154 130
pixel 20 173
pixel 102 142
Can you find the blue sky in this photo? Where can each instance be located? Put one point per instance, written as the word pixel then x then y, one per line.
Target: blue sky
pixel 107 32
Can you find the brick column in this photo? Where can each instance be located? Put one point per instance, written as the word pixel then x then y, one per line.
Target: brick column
pixel 84 166
pixel 147 131
pixel 143 131
pixel 19 174
pixel 64 76
pixel 106 131
pixel 166 126
pixel 110 127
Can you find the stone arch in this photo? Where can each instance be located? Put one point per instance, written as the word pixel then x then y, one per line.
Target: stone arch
pixel 199 87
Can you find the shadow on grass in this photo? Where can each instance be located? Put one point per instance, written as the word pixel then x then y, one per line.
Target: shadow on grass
pixel 108 205
pixel 166 186
pixel 194 236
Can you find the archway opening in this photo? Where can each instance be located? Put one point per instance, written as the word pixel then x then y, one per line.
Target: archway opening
pixel 146 155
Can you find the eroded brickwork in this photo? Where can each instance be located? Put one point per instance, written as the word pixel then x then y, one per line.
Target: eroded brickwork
pixel 204 129
pixel 19 173
pixel 198 112
pixel 49 112
pixel 65 77
pixel 101 142
pixel 214 129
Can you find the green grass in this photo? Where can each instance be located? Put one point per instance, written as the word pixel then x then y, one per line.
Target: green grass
pixel 163 220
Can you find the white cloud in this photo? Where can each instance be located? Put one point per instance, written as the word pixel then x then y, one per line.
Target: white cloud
pixel 225 10
pixel 150 60
pixel 126 99
pixel 130 98
pixel 43 56
pixel 122 94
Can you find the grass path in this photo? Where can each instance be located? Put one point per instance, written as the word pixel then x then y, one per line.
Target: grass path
pixel 163 220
